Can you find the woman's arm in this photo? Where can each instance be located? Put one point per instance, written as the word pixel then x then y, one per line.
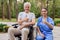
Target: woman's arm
pixel 49 23
pixel 39 32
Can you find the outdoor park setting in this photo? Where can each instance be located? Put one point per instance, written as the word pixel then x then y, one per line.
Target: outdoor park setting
pixel 9 10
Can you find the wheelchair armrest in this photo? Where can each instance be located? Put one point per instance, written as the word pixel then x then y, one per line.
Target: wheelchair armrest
pixel 15 25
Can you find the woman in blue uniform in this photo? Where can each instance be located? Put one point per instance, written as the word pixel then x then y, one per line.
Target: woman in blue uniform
pixel 45 26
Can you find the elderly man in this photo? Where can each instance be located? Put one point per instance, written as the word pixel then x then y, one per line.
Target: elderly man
pixel 25 19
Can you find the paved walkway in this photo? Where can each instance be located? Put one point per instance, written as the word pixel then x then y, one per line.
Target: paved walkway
pixel 8 23
pixel 56 32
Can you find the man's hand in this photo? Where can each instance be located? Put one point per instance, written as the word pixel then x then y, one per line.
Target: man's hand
pixel 26 24
pixel 26 19
pixel 21 27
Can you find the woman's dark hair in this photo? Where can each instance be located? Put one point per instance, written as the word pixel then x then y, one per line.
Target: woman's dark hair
pixel 45 9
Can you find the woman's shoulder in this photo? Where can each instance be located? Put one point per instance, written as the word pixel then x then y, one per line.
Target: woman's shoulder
pixel 50 18
pixel 39 18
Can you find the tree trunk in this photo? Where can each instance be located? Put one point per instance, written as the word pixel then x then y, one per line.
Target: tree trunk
pixel 9 9
pixel 8 12
pixel 47 5
pixel 16 9
pixel 53 8
pixel 2 3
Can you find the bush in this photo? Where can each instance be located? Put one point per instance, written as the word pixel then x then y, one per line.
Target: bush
pixel 56 22
pixel 35 10
pixel 5 28
pixel 1 27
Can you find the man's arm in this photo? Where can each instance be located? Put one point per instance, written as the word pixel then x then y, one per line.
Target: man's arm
pixel 21 21
pixel 33 20
pixel 30 23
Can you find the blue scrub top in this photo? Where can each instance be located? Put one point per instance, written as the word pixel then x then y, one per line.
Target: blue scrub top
pixel 43 27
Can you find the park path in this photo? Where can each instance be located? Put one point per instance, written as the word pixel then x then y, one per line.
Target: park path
pixel 56 32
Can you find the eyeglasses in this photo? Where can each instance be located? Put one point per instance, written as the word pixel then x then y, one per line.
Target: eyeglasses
pixel 43 11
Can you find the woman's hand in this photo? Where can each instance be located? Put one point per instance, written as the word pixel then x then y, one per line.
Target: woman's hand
pixel 41 34
pixel 44 21
pixel 47 23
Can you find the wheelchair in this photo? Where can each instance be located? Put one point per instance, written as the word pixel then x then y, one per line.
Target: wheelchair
pixel 30 35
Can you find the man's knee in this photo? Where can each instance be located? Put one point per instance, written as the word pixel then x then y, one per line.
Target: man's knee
pixel 10 30
pixel 25 30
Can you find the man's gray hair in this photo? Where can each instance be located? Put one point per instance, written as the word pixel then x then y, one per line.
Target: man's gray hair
pixel 27 3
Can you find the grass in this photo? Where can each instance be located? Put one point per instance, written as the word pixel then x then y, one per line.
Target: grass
pixel 57 19
pixel 14 20
pixel 6 20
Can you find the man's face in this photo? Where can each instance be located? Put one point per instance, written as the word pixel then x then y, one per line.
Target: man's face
pixel 27 8
pixel 43 12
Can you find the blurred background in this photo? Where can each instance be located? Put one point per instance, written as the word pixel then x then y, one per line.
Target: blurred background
pixel 9 10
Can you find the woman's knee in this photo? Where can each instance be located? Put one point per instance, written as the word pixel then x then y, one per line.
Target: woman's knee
pixel 50 37
pixel 38 37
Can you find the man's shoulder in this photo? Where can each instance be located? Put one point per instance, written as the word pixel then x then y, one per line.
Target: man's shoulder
pixel 21 13
pixel 32 13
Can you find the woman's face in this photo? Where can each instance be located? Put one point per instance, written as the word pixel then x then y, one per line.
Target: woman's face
pixel 27 8
pixel 43 12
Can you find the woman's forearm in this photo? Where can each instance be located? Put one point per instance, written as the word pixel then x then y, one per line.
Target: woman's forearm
pixel 38 30
pixel 49 25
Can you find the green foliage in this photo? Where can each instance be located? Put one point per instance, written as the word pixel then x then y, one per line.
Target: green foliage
pixel 56 22
pixel 5 28
pixel 20 7
pixel 1 26
pixel 57 12
pixel 34 8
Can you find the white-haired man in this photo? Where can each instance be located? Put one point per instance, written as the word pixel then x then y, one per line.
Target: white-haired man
pixel 25 19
